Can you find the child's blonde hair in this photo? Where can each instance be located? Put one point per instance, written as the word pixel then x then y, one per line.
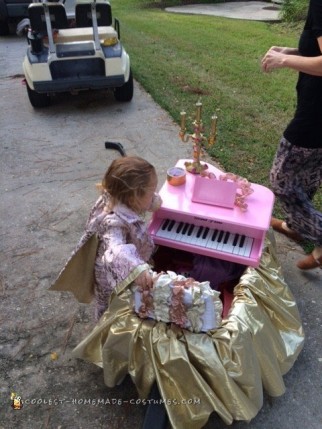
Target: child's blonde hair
pixel 127 179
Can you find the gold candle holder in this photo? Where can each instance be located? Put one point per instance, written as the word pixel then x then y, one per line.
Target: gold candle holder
pixel 197 138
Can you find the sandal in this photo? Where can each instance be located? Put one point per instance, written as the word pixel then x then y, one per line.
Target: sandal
pixel 309 262
pixel 277 225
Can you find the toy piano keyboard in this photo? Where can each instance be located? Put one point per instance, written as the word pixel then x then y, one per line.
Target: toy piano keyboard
pixel 200 217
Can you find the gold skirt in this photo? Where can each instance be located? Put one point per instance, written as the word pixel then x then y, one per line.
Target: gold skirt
pixel 224 370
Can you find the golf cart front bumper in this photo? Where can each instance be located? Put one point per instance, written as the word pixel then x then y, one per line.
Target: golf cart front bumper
pixel 78 84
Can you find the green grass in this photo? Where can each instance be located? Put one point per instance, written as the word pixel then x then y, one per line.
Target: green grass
pixel 181 58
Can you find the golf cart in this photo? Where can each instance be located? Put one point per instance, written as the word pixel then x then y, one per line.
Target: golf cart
pixel 65 56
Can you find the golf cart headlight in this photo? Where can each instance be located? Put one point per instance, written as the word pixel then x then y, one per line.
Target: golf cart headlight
pixel 110 41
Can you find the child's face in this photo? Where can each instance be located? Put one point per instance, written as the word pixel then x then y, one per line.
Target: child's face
pixel 146 200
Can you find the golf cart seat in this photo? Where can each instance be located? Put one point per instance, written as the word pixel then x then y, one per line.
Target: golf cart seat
pixel 83 14
pixel 57 13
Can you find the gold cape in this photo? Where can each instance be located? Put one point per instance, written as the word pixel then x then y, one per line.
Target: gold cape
pixel 224 370
pixel 77 276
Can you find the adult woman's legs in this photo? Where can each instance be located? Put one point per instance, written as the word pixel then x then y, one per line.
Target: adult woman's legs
pixel 295 176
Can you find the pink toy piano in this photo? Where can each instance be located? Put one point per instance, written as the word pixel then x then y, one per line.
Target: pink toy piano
pixel 201 218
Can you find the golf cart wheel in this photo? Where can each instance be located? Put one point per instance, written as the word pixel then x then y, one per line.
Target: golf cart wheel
pixel 4 28
pixel 125 92
pixel 36 99
pixel 4 25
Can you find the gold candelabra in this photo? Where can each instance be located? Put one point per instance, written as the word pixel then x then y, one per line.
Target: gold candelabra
pixel 198 138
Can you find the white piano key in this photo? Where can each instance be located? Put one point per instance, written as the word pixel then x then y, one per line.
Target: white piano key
pixel 178 230
pixel 248 246
pixel 166 229
pixel 195 238
pixel 224 241
pixel 160 232
pixel 240 245
pixel 206 236
pixel 192 235
pixel 191 230
pixel 184 232
pixel 220 240
pixel 212 242
pixel 173 231
pixel 236 248
pixel 229 247
pixel 202 236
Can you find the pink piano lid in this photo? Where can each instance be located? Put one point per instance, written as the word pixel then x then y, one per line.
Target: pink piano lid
pixel 179 199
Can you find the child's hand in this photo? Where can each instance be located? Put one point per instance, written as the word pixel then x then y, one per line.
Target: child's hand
pixel 155 203
pixel 144 280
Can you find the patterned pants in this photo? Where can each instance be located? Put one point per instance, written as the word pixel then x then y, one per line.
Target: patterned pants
pixel 295 176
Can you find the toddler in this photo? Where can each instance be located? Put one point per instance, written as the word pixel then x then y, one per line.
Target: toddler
pixel 117 218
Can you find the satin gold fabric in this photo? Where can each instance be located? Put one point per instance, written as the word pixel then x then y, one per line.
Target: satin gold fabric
pixel 77 276
pixel 224 370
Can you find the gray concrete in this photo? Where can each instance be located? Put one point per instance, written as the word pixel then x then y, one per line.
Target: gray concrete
pixel 50 161
pixel 250 10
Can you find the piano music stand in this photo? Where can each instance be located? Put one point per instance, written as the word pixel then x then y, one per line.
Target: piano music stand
pixel 214 192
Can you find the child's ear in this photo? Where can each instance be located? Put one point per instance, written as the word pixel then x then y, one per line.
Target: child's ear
pixel 134 203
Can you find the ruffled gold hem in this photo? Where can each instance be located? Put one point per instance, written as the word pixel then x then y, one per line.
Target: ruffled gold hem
pixel 224 370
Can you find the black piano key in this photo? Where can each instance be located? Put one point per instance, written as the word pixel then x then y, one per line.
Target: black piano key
pixel 236 239
pixel 242 241
pixel 220 237
pixel 190 229
pixel 199 231
pixel 179 228
pixel 165 224
pixel 171 225
pixel 185 228
pixel 214 235
pixel 226 237
pixel 205 233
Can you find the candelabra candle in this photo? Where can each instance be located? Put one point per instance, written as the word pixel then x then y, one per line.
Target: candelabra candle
pixel 183 120
pixel 198 139
pixel 212 136
pixel 213 124
pixel 198 111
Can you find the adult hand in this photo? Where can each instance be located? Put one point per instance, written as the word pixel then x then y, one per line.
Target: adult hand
pixel 273 59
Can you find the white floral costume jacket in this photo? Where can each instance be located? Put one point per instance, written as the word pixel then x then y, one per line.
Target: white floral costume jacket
pixel 124 248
